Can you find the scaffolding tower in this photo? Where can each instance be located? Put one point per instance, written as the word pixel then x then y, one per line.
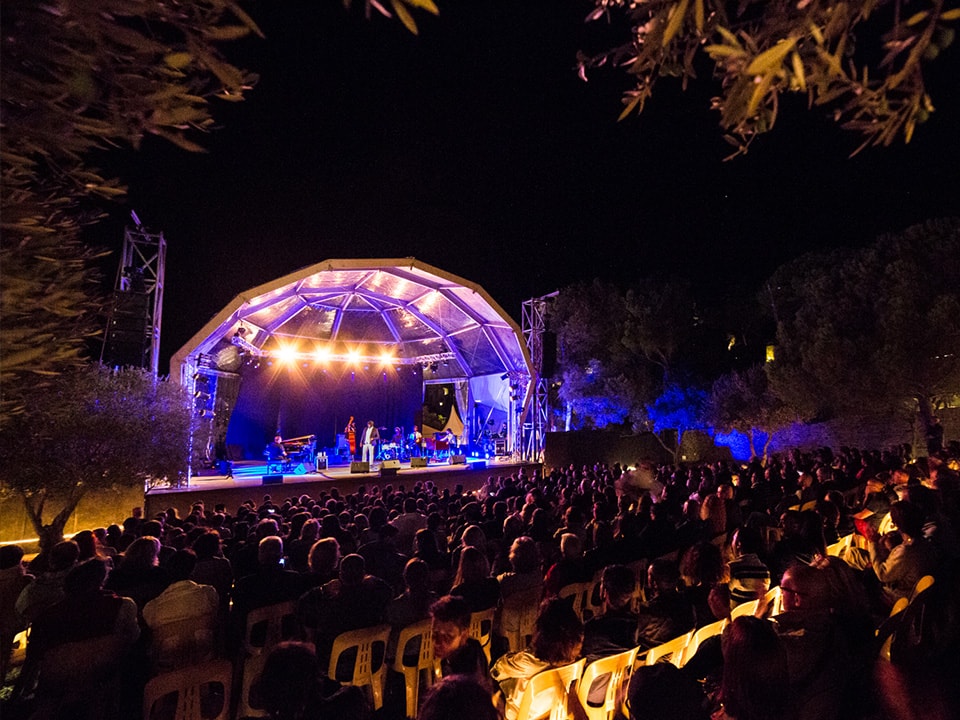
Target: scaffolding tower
pixel 132 336
pixel 532 435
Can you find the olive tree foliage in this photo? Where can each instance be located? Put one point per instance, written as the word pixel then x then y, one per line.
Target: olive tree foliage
pixel 745 401
pixel 602 382
pixel 661 317
pixel 93 427
pixel 863 61
pixel 620 350
pixel 679 408
pixel 870 330
pixel 74 78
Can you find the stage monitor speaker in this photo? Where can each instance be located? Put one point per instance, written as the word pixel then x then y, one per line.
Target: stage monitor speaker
pixel 478 464
pixel 304 468
pixel 458 459
pixel 359 467
pixel 272 480
pixel 418 462
pixel 389 467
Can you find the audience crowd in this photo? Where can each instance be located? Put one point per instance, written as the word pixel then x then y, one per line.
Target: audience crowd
pixel 675 548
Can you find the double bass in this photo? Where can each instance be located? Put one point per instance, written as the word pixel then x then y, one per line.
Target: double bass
pixel 351 432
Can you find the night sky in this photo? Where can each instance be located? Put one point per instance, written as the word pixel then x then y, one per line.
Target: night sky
pixel 476 148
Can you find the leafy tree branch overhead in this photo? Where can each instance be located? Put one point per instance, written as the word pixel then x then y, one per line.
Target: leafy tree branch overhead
pixel 865 62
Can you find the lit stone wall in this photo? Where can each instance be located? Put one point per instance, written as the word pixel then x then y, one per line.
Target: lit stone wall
pixel 98 508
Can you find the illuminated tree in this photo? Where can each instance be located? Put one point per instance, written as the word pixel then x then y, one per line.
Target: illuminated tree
pixel 745 402
pixel 863 61
pixel 678 407
pixel 871 330
pixel 92 428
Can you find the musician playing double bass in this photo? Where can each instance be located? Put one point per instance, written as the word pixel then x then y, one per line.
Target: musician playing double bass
pixel 351 432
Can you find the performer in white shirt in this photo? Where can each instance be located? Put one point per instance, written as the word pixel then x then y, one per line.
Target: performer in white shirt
pixel 371 436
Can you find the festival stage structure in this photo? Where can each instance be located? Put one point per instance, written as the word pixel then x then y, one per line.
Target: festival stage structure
pixel 393 340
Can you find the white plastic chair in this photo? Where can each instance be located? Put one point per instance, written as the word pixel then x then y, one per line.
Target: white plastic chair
pixel 369 667
pixel 546 693
pixel 188 684
pixel 618 668
pixel 424 670
pixel 670 651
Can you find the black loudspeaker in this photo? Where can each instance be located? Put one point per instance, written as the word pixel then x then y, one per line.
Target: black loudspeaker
pixel 389 467
pixel 359 467
pixel 272 480
pixel 478 464
pixel 418 462
pixel 458 459
pixel 548 361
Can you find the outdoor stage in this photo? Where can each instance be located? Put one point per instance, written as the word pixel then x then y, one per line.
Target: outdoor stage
pixel 247 482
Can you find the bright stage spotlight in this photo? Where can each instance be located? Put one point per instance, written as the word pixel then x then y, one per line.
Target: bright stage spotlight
pixel 286 354
pixel 353 355
pixel 386 358
pixel 321 354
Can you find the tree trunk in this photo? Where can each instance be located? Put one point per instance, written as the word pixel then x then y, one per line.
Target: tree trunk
pixel 753 445
pixel 52 533
pixel 766 447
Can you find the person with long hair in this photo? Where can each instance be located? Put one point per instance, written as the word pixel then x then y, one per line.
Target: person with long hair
pixel 557 641
pixel 755 680
pixel 473 583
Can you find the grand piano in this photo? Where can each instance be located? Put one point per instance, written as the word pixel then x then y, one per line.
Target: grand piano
pixel 296 450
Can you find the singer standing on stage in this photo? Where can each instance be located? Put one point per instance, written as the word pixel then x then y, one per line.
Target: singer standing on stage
pixel 371 436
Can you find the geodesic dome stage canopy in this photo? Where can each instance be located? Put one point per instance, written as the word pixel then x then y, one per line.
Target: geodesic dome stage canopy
pixel 396 311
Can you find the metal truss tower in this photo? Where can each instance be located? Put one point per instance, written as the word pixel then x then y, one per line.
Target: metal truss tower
pixel 132 337
pixel 532 434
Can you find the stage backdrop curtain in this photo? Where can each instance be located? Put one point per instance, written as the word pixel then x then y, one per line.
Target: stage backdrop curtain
pixel 300 401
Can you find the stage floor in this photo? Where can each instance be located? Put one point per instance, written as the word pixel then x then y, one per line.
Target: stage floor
pixel 247 482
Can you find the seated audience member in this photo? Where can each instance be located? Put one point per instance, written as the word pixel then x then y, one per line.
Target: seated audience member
pixel 821 661
pixel 382 558
pixel 569 568
pixel 458 697
pixel 212 567
pixel 755 678
pixel 298 553
pixel 14 579
pixel 702 571
pixel 47 588
pixel 139 576
pixel 749 577
pixel 182 600
pixel 355 600
pixel 668 613
pixel 473 582
pixel 324 562
pixel 269 585
pixel 557 641
pixel 900 559
pixel 293 686
pixel 87 611
pixel 408 523
pixel 453 648
pixel 414 604
pixel 615 629
pixel 664 692
pixel 525 575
